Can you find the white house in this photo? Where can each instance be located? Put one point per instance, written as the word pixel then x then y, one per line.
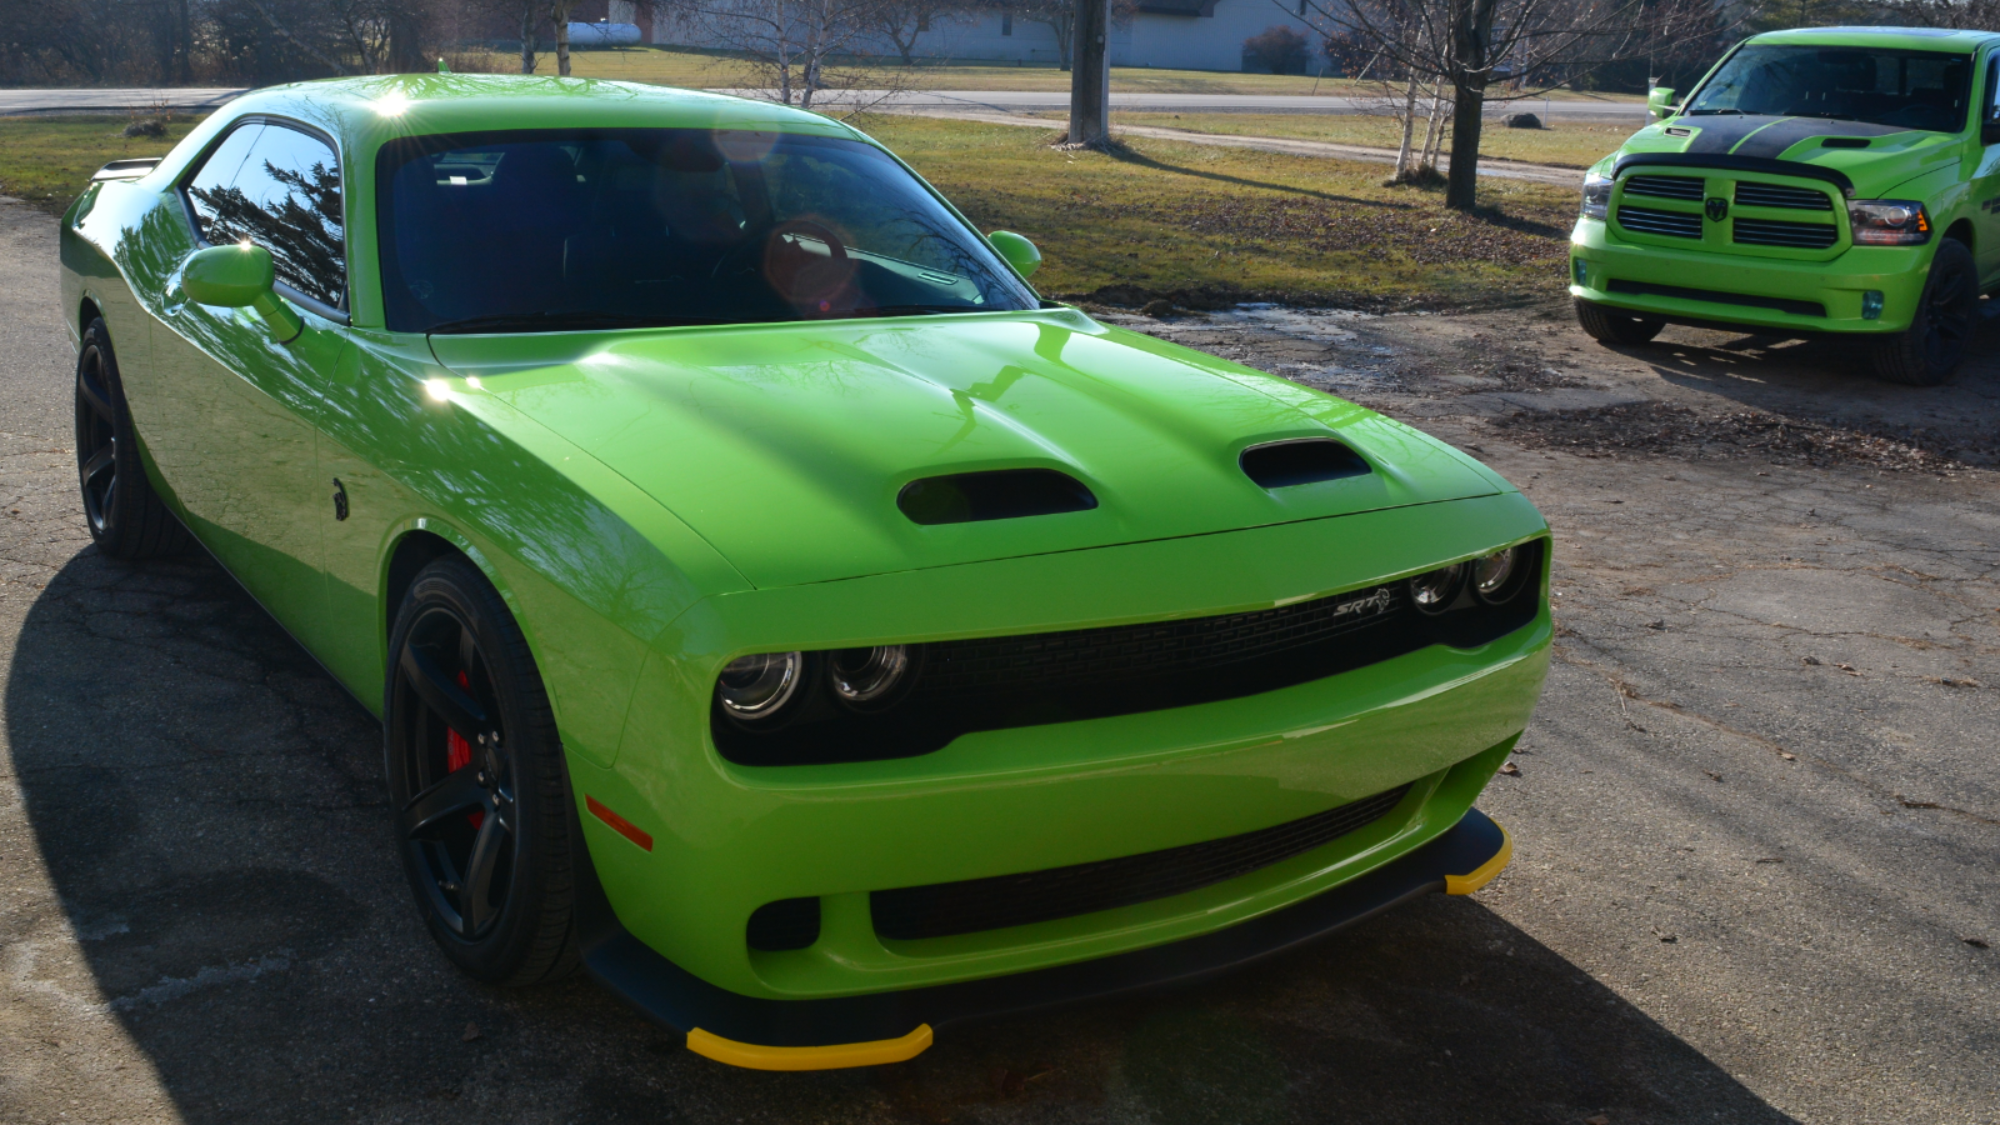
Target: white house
pixel 1173 34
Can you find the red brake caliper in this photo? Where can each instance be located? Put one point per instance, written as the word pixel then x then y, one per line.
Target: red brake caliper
pixel 458 752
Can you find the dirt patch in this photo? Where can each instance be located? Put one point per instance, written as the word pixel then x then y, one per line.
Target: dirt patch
pixel 1661 429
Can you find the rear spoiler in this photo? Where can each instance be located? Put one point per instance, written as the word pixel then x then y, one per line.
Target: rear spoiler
pixel 126 169
pixel 1770 166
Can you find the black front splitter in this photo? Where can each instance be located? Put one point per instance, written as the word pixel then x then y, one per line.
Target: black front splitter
pixel 840 1031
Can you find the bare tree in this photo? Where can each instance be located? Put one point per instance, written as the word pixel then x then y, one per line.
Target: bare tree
pixel 1469 42
pixel 795 44
pixel 903 22
pixel 559 11
pixel 1090 82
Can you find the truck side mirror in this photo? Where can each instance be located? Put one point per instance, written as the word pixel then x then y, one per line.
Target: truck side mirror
pixel 1019 252
pixel 1660 103
pixel 240 276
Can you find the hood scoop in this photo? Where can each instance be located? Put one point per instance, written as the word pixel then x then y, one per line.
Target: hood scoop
pixel 1844 142
pixel 1000 494
pixel 1282 464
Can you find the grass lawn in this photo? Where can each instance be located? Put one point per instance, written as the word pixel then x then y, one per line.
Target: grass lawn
pixel 1197 225
pixel 680 66
pixel 47 160
pixel 1203 226
pixel 1572 144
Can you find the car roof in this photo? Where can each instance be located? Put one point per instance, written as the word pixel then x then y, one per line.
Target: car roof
pixel 366 111
pixel 1906 38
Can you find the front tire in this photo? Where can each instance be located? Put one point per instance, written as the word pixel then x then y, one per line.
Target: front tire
pixel 126 517
pixel 1610 326
pixel 477 782
pixel 1927 352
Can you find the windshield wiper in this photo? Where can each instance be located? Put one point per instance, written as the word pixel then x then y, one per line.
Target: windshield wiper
pixel 574 321
pixel 1709 112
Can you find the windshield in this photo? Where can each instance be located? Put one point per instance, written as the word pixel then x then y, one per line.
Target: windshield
pixel 1901 89
pixel 550 230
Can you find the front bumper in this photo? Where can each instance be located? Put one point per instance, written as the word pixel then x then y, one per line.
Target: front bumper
pixel 1598 258
pixel 723 840
pixel 891 1027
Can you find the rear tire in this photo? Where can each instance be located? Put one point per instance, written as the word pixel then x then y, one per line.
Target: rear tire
pixel 1927 352
pixel 126 517
pixel 1611 326
pixel 477 782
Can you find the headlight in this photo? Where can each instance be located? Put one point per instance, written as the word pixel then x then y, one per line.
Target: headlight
pixel 864 677
pixel 1596 196
pixel 1493 576
pixel 1888 222
pixel 757 687
pixel 1435 591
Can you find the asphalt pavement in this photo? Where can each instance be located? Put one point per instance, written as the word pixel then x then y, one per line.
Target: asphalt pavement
pixel 73 100
pixel 1756 817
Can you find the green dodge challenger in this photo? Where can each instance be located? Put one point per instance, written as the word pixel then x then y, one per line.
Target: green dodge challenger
pixel 1832 181
pixel 774 607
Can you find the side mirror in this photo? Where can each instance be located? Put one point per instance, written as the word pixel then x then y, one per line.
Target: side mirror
pixel 1660 103
pixel 1019 252
pixel 236 277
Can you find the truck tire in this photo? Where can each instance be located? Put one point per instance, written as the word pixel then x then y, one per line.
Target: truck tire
pixel 1611 326
pixel 1931 348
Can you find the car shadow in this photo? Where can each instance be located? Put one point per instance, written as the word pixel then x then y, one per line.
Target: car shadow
pixel 208 805
pixel 1831 380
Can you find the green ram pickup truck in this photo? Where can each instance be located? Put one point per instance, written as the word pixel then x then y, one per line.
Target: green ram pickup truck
pixel 1820 182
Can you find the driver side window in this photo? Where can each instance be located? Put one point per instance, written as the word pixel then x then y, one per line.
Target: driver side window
pixel 278 187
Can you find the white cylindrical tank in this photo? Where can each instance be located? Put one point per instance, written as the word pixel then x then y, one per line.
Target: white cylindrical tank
pixel 603 34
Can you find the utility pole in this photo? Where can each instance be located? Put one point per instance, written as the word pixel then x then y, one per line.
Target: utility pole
pixel 1090 76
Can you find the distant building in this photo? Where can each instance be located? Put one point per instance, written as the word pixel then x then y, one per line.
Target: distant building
pixel 1172 34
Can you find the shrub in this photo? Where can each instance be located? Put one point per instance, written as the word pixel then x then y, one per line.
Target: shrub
pixel 1278 49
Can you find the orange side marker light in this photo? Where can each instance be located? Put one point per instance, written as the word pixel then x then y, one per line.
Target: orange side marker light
pixel 618 823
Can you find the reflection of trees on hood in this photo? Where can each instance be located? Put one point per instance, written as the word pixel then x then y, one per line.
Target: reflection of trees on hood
pixel 301 229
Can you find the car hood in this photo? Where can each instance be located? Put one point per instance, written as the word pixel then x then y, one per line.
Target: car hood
pixel 785 446
pixel 1892 155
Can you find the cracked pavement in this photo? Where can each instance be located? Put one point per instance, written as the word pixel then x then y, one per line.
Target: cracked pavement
pixel 1757 815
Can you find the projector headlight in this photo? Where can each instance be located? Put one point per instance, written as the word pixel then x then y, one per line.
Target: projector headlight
pixel 1435 591
pixel 754 688
pixel 1493 577
pixel 1596 195
pixel 868 677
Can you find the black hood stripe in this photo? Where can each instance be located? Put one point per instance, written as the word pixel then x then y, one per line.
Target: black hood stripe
pixel 1767 136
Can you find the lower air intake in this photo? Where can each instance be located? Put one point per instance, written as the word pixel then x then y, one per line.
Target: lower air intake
pixel 944 909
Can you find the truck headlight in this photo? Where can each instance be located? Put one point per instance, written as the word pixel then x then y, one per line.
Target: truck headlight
pixel 1596 196
pixel 1888 222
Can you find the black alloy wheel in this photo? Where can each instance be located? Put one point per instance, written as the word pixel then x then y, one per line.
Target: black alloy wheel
pixel 1931 348
pixel 126 518
pixel 477 782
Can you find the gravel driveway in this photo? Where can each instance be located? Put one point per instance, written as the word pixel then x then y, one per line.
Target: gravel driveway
pixel 1757 816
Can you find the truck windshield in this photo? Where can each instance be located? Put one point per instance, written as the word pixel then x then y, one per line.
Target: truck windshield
pixel 553 230
pixel 1900 89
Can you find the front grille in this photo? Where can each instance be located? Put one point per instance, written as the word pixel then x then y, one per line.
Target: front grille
pixel 1000 683
pixel 1645 220
pixel 944 909
pixel 1005 665
pixel 1796 236
pixel 1753 194
pixel 1666 187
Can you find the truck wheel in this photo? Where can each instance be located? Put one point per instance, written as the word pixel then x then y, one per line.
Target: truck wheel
pixel 1610 326
pixel 1930 349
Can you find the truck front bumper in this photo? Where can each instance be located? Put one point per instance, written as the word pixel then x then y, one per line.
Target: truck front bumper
pixel 1707 288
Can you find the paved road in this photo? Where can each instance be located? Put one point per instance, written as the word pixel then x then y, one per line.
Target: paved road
pixel 17 101
pixel 1290 146
pixel 1757 814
